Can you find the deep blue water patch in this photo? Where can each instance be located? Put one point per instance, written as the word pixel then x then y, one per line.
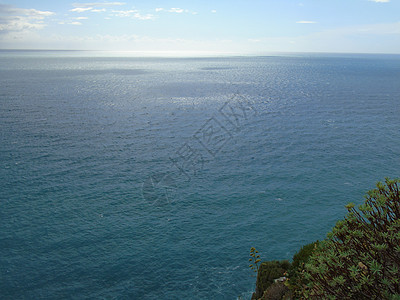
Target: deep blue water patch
pixel 93 205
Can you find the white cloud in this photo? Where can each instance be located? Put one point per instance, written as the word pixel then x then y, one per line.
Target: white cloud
pixel 306 22
pixel 380 1
pixel 159 9
pixel 76 23
pixel 81 9
pixel 31 13
pixel 97 4
pixel 72 21
pixel 144 17
pixel 14 19
pixel 124 13
pixel 213 11
pixel 176 10
pixel 18 24
pixel 133 13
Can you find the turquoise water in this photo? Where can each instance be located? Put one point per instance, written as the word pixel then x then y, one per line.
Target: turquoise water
pixel 151 178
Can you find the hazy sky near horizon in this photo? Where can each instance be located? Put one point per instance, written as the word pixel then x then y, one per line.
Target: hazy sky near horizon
pixel 220 26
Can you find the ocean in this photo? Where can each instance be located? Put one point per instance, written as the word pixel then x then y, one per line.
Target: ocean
pixel 151 178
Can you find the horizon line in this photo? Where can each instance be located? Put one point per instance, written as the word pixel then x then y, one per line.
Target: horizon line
pixel 199 53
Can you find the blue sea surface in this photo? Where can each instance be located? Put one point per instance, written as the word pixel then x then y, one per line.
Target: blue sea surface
pixel 151 178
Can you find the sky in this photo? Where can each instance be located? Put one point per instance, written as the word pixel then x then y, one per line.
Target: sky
pixel 202 26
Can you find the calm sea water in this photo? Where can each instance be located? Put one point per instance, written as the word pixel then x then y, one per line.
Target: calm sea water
pixel 151 178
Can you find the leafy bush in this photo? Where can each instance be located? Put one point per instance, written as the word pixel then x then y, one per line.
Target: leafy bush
pixel 267 272
pixel 295 279
pixel 275 291
pixel 360 259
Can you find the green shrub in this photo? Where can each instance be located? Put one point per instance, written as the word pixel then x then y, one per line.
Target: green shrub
pixel 295 280
pixel 360 259
pixel 275 291
pixel 267 272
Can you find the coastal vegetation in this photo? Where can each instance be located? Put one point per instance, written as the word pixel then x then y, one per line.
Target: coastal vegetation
pixel 359 259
